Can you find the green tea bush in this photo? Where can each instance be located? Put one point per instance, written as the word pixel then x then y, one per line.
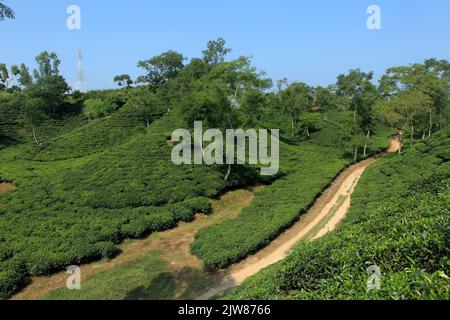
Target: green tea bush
pixel 147 220
pixel 182 212
pixel 12 278
pixel 199 204
pixel 106 249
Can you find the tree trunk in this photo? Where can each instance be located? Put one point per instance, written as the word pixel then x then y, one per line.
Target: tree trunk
pixel 228 172
pixel 431 125
pixel 307 132
pixel 367 142
pixel 34 134
pixel 400 134
pixel 356 154
pixel 411 137
pixel 292 125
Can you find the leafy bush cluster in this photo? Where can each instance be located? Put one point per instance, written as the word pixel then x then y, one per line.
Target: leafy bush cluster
pixel 98 108
pixel 399 221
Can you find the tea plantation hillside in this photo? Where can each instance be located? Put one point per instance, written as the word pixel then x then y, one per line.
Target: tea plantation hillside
pixel 82 192
pixel 399 221
pixel 78 195
pixel 83 172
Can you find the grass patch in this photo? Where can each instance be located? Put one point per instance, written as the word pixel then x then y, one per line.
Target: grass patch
pixel 310 235
pixel 146 278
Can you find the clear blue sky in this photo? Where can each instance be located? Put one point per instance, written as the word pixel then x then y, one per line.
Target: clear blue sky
pixel 304 40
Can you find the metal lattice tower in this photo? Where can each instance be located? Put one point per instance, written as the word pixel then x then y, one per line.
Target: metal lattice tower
pixel 80 84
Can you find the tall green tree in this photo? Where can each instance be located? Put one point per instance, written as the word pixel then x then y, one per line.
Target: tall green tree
pixel 309 121
pixel 33 113
pixel 216 52
pixel 4 76
pixel 403 112
pixel 252 104
pixel 353 85
pixel 281 87
pixel 162 68
pixel 48 65
pixel 123 80
pixel 324 100
pixel 352 137
pixel 196 69
pixel 50 89
pixel 431 78
pixel 298 98
pixel 365 119
pixel 25 79
pixel 225 98
pixel 146 106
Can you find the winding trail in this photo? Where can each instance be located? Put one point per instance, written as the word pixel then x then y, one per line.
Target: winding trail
pixel 324 216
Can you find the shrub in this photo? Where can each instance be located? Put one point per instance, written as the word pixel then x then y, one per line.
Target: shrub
pixel 10 282
pixel 107 249
pixel 160 219
pixel 13 276
pixel 182 212
pixel 199 205
pixel 94 108
pixel 135 229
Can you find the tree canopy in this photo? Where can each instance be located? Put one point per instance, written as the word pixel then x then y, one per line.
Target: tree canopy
pixel 162 68
pixel 6 12
pixel 123 80
pixel 216 51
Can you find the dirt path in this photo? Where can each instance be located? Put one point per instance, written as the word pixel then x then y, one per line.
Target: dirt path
pixel 6 187
pixel 324 216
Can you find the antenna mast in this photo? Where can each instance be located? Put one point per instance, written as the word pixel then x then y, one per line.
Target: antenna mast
pixel 80 84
